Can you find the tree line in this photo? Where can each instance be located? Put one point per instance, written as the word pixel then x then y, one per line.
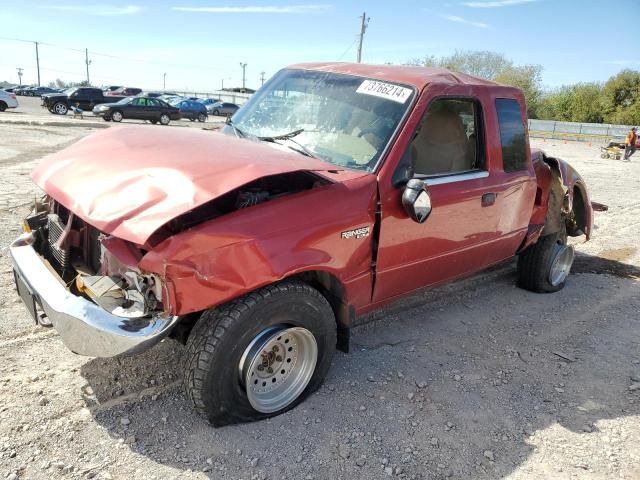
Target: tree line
pixel 615 101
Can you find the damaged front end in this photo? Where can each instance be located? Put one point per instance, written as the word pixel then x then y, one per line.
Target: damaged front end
pixel 87 285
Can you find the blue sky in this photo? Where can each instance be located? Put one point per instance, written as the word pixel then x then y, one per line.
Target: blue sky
pixel 200 43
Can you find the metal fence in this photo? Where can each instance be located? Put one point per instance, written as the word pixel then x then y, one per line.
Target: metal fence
pixel 586 132
pixel 224 95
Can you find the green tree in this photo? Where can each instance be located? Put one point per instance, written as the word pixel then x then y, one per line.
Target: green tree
pixel 586 103
pixel 621 98
pixel 483 64
pixel 492 66
pixel 527 78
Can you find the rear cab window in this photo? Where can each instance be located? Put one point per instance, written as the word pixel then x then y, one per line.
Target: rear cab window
pixel 512 134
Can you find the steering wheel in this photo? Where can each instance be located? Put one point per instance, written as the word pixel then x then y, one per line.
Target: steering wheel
pixel 371 130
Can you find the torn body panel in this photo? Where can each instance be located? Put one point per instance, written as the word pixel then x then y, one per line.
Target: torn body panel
pixel 130 181
pixel 561 199
pixel 225 258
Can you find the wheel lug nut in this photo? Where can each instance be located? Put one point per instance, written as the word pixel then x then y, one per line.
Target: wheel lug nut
pixel 270 370
pixel 275 348
pixel 278 358
pixel 260 367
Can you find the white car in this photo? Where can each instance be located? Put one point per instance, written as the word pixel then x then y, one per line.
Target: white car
pixel 7 100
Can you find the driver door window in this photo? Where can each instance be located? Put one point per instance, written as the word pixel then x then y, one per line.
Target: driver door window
pixel 447 142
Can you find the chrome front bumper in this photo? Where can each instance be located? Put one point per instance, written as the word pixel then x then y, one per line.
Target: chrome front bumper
pixel 85 328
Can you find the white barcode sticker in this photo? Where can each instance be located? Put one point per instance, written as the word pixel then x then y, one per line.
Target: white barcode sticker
pixel 384 90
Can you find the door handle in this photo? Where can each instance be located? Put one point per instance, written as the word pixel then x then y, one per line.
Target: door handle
pixel 488 199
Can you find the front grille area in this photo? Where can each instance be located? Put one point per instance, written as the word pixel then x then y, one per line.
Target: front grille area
pixel 61 256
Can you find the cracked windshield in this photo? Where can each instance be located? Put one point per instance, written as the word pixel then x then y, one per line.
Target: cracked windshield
pixel 341 119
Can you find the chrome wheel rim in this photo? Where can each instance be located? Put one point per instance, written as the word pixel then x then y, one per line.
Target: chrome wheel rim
pixel 561 264
pixel 277 366
pixel 116 116
pixel 60 108
pixel 164 119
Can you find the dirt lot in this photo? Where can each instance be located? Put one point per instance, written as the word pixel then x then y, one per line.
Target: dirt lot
pixel 477 379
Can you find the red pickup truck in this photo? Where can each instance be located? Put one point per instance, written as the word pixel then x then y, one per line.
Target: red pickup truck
pixel 336 189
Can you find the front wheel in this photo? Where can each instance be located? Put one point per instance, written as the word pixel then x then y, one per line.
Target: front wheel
pixel 60 109
pixel 117 116
pixel 260 355
pixel 164 119
pixel 544 266
pixel 216 113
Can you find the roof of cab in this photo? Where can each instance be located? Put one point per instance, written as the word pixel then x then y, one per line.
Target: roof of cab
pixel 415 76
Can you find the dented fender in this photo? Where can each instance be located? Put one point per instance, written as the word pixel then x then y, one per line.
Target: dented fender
pixel 229 256
pixel 561 196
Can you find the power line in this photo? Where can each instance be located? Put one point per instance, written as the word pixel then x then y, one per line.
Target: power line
pixel 348 48
pixel 107 55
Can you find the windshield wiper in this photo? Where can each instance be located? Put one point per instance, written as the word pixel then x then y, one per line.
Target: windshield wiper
pixel 300 148
pixel 239 133
pixel 284 136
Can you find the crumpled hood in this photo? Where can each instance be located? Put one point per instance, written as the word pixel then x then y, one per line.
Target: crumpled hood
pixel 129 181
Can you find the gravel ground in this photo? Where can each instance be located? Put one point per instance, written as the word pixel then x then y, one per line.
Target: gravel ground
pixel 477 379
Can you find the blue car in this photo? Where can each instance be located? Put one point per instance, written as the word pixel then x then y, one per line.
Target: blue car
pixel 192 110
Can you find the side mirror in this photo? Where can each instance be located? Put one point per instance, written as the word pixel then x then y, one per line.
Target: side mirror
pixel 416 200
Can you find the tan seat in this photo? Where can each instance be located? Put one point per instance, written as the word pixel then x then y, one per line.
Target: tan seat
pixel 441 145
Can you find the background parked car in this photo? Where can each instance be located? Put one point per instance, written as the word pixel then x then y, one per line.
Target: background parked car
pixel 112 88
pixel 138 108
pixel 7 100
pixel 84 98
pixel 223 108
pixel 207 102
pixel 192 110
pixel 124 92
pixel 22 90
pixel 39 91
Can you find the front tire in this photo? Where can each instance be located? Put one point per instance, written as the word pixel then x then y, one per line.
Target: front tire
pixel 117 116
pixel 60 108
pixel 216 113
pixel 165 119
pixel 544 266
pixel 260 355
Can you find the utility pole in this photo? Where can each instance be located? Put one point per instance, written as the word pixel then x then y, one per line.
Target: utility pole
pixel 244 77
pixel 363 28
pixel 262 78
pixel 87 62
pixel 37 62
pixel 164 82
pixel 20 70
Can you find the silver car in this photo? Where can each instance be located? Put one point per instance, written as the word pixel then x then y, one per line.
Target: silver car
pixel 222 108
pixel 7 100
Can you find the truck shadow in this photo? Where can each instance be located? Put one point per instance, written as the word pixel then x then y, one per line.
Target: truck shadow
pixel 477 371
